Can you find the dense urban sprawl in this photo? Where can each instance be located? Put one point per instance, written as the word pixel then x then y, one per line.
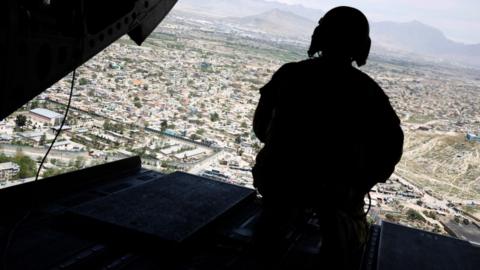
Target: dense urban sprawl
pixel 185 101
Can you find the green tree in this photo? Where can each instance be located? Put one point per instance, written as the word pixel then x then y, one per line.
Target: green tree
pixel 21 120
pixel 194 137
pixel 430 214
pixel 163 125
pixel 138 104
pixel 4 158
pixel 43 139
pixel 390 217
pixel 414 215
pixel 106 125
pixel 34 104
pixel 79 163
pixel 28 167
pixel 51 172
pixel 214 117
pixel 256 146
pixel 83 81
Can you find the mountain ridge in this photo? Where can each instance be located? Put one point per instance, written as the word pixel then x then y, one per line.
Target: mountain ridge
pixel 276 22
pixel 420 38
pixel 243 8
pixel 294 21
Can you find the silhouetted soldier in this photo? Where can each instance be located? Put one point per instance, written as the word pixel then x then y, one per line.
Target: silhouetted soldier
pixel 330 135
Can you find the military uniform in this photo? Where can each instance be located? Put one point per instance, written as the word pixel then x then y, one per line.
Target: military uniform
pixel 330 135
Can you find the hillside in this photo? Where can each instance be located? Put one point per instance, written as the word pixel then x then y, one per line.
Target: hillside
pixel 448 165
pixel 414 39
pixel 276 22
pixel 419 38
pixel 243 8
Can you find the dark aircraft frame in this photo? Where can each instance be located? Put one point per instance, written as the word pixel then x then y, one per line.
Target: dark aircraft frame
pixel 44 40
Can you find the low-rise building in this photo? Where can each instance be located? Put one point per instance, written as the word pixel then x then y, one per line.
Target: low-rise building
pixel 45 116
pixel 32 137
pixel 5 138
pixel 190 154
pixel 472 137
pixel 8 170
pixel 68 145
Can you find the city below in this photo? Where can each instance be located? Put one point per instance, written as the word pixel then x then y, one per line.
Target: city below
pixel 185 100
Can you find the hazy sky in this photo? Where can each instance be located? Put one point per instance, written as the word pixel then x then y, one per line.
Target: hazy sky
pixel 459 20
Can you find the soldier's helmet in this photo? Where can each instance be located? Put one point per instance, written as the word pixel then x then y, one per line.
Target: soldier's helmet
pixel 342 31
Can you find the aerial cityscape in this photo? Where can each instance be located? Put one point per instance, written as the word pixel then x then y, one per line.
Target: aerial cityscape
pixel 185 100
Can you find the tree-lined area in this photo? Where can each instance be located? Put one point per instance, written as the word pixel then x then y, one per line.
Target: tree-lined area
pixel 28 167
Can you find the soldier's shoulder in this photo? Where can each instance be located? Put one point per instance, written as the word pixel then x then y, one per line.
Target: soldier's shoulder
pixel 368 82
pixel 364 77
pixel 299 65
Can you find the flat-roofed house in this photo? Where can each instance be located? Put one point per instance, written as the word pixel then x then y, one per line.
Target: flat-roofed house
pixel 8 170
pixel 45 116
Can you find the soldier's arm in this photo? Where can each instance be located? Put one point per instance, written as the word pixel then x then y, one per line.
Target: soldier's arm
pixel 267 103
pixel 263 115
pixel 385 139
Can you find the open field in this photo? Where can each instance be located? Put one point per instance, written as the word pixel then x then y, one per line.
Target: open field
pixel 446 164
